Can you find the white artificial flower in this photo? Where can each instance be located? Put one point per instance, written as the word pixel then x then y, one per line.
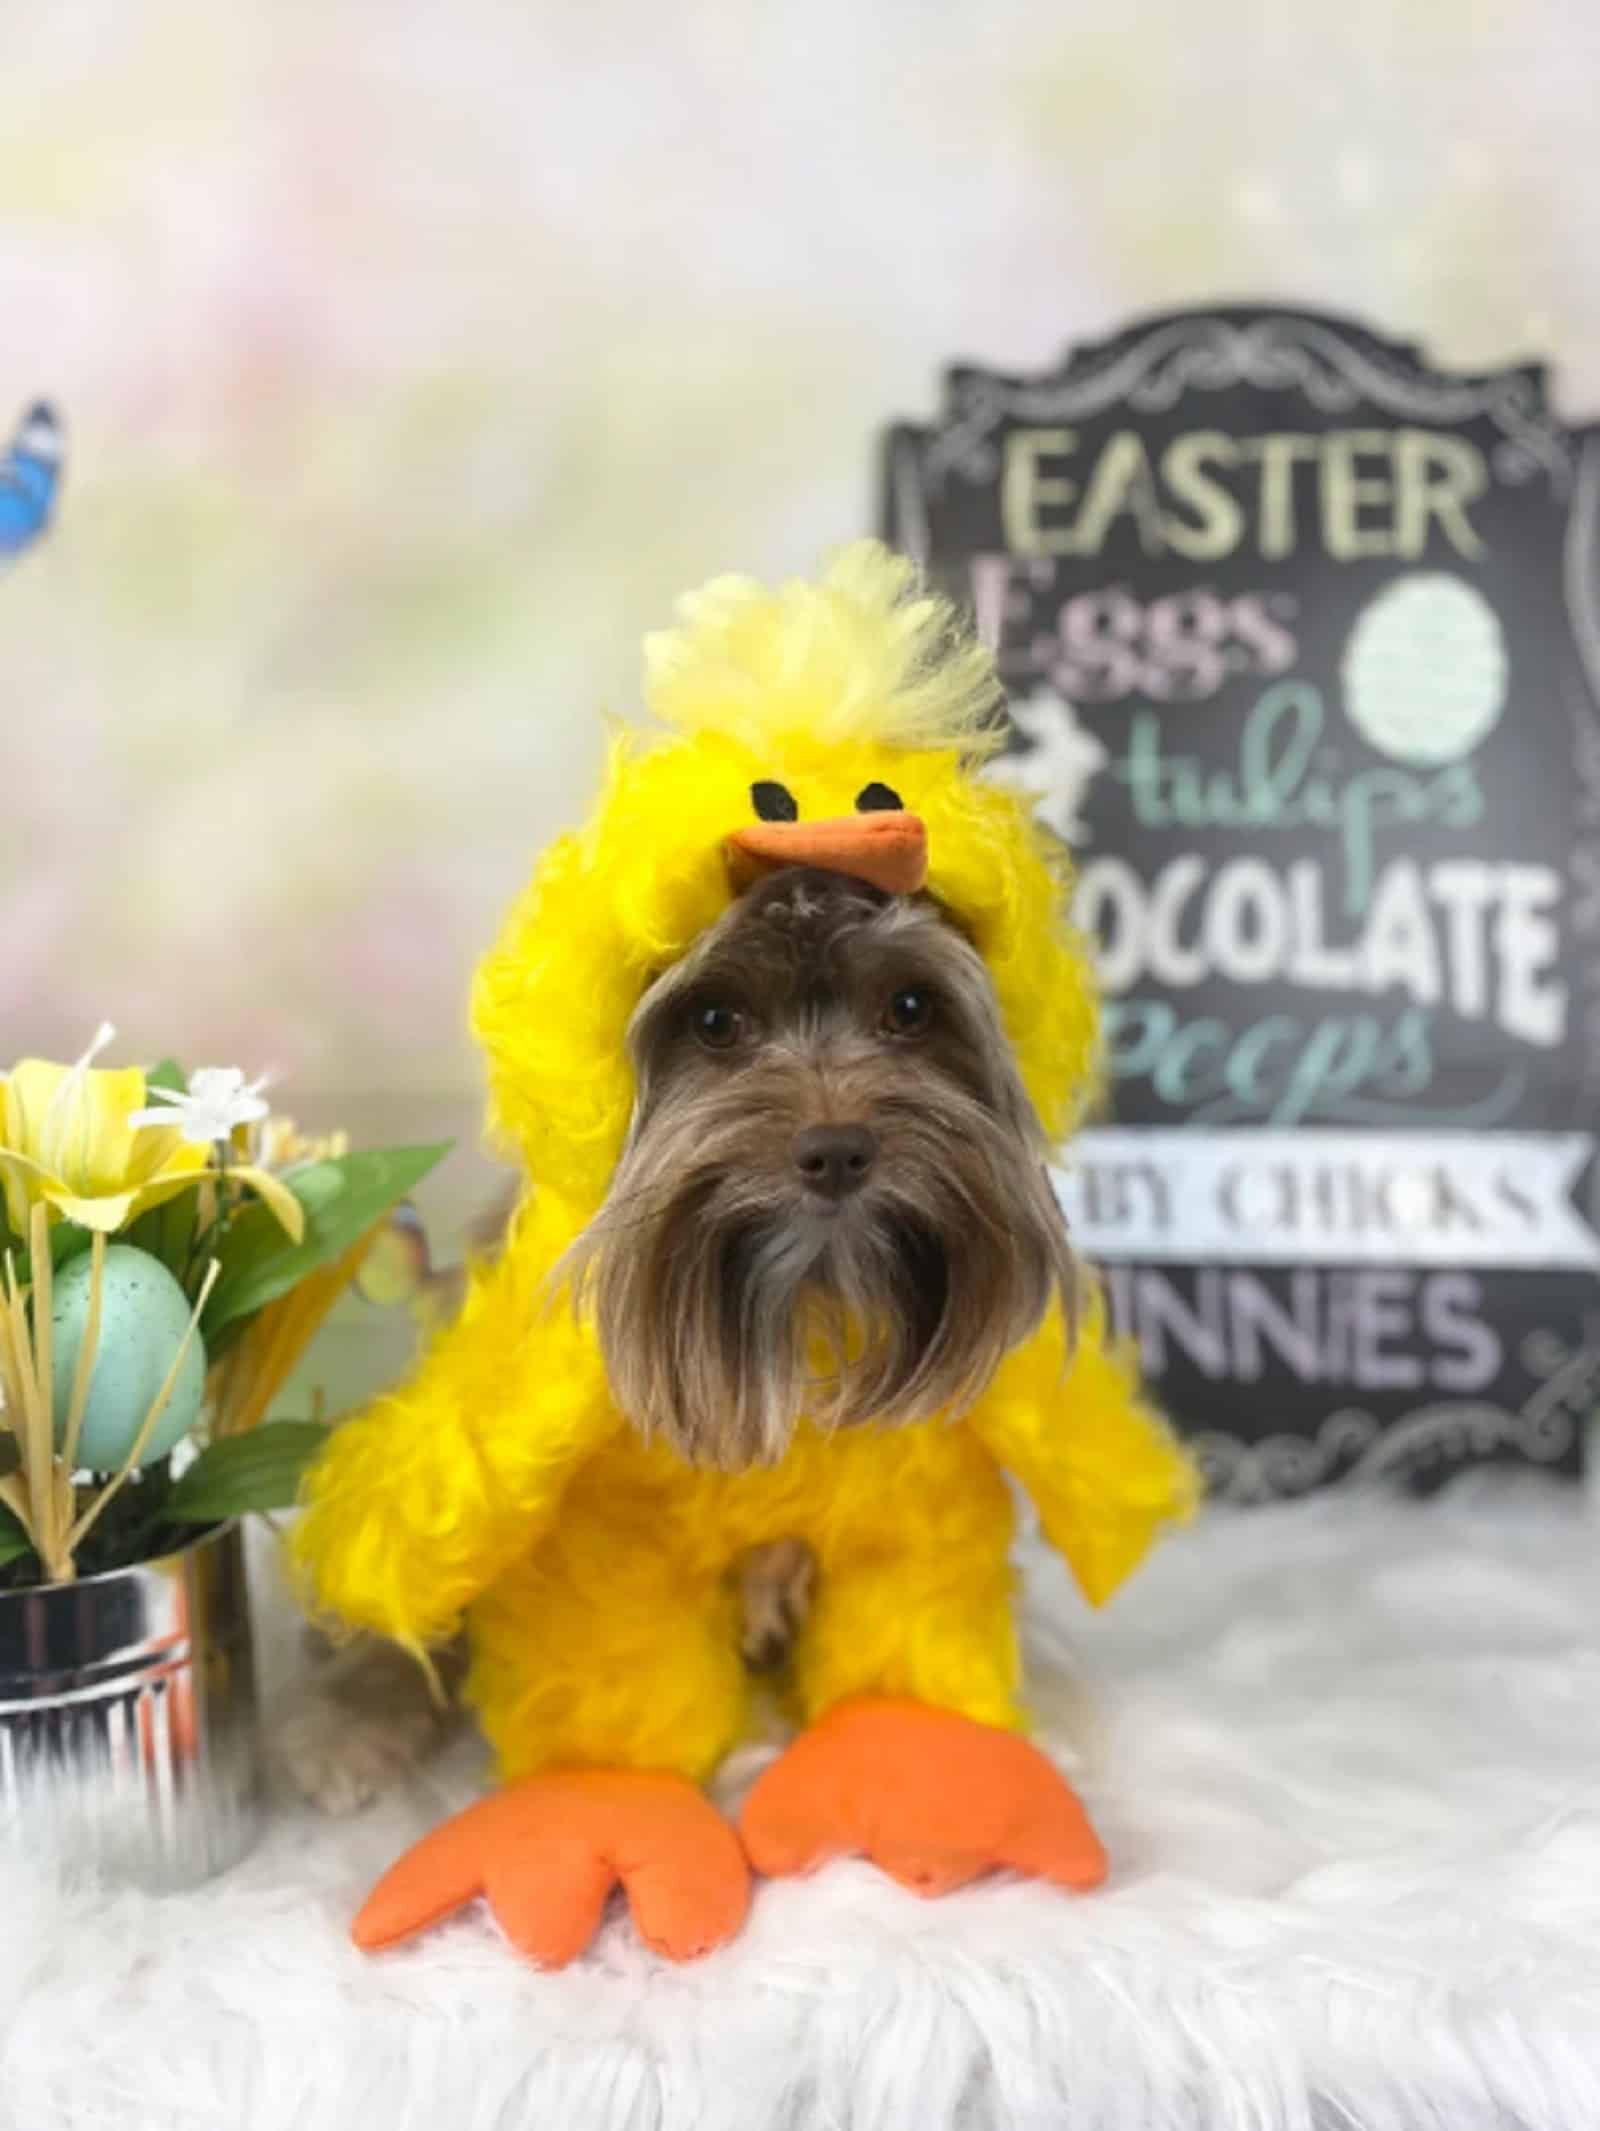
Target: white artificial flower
pixel 217 1101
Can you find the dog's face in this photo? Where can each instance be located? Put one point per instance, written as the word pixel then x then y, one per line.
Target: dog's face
pixel 833 1200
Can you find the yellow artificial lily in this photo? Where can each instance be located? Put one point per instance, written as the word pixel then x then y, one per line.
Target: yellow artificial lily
pixel 68 1142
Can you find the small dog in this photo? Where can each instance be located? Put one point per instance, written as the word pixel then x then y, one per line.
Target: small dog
pixel 833 1203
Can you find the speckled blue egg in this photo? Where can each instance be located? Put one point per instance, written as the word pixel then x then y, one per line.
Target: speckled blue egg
pixel 143 1316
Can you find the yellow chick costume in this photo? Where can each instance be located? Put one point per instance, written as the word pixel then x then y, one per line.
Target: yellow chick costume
pixel 501 1485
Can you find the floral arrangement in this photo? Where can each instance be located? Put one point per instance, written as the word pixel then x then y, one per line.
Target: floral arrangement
pixel 168 1248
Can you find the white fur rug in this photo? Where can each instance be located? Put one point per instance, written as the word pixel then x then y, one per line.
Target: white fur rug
pixel 1346 1756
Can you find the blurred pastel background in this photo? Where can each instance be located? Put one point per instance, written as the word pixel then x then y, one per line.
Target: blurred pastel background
pixel 415 356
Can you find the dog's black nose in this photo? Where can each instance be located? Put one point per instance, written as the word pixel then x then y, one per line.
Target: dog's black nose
pixel 835 1160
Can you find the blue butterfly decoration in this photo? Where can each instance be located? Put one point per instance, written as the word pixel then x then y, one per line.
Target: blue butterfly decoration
pixel 30 474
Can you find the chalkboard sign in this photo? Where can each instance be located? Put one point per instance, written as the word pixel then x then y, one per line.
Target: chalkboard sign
pixel 1302 641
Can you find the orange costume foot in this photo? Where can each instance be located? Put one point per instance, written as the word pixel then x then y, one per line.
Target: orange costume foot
pixel 547 1852
pixel 933 1799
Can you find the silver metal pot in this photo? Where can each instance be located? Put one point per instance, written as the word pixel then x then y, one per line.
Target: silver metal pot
pixel 128 1738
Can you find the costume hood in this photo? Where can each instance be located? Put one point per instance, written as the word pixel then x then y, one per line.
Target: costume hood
pixel 842 722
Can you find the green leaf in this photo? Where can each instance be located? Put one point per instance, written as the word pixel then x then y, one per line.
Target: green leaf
pixel 342 1198
pixel 67 1241
pixel 14 1541
pixel 10 1454
pixel 168 1074
pixel 258 1470
pixel 167 1231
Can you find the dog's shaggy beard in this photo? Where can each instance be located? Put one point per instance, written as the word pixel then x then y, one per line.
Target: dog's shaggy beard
pixel 728 1309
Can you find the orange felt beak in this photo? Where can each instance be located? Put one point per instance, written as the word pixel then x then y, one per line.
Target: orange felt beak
pixel 889 849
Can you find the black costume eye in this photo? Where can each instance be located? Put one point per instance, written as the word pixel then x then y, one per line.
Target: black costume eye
pixel 719 1027
pixel 909 1012
pixel 773 802
pixel 878 799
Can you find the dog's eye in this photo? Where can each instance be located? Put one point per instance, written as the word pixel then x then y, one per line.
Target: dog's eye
pixel 719 1027
pixel 773 802
pixel 878 799
pixel 909 1012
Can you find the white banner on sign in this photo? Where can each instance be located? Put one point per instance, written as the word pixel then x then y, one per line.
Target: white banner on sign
pixel 1334 1198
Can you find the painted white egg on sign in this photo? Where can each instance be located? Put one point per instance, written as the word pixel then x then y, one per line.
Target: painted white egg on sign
pixel 143 1316
pixel 1424 672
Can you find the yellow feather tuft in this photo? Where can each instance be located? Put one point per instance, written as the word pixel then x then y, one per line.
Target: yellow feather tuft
pixel 864 655
pixel 826 688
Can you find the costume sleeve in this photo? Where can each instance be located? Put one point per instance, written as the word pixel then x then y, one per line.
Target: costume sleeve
pixel 417 1505
pixel 1102 1467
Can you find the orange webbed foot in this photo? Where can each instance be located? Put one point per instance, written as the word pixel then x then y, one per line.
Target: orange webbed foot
pixel 934 1799
pixel 546 1853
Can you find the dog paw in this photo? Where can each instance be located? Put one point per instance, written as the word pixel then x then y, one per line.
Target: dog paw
pixel 338 1761
pixel 777 1583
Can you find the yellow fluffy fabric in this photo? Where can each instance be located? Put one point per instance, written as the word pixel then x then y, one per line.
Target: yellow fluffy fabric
pixel 501 1482
pixel 826 688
